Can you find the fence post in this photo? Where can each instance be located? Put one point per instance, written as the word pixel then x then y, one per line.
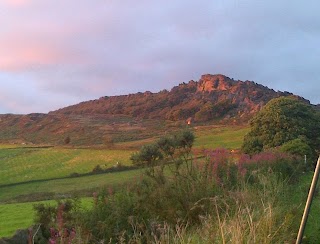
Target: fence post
pixel 308 203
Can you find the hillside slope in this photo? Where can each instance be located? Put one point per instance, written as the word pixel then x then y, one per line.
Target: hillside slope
pixel 141 115
pixel 212 97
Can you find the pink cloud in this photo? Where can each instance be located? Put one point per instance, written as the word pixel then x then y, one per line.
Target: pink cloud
pixel 27 51
pixel 17 3
pixel 19 57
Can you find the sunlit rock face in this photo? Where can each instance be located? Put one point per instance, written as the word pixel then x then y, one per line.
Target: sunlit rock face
pixel 215 82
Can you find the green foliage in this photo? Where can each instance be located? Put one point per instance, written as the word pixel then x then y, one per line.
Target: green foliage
pixel 166 148
pixel 282 120
pixel 252 145
pixel 298 147
pixel 184 140
pixel 111 215
pixel 147 155
pixel 60 217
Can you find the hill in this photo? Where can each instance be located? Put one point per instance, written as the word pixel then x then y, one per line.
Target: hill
pixel 212 97
pixel 109 120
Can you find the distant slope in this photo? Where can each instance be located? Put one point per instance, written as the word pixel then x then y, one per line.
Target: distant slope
pixel 142 115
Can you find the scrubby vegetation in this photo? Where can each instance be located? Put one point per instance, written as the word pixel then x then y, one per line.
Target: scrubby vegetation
pixel 287 122
pixel 222 198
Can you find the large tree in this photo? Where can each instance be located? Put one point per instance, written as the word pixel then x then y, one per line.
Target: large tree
pixel 282 120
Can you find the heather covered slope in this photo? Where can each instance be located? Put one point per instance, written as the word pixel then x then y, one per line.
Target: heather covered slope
pixel 109 120
pixel 80 129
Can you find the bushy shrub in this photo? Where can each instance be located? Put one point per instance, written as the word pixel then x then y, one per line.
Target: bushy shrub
pixel 57 222
pixel 111 216
pixel 300 148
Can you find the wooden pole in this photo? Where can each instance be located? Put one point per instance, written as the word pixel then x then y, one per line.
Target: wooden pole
pixel 308 203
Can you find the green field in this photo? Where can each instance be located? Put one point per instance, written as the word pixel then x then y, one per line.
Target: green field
pixel 65 187
pixel 21 215
pixel 15 216
pixel 220 137
pixel 20 165
pixel 25 164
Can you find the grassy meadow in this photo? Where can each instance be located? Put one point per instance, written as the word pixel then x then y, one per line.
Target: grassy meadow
pixel 60 188
pixel 220 137
pixel 27 164
pixel 33 174
pixel 29 174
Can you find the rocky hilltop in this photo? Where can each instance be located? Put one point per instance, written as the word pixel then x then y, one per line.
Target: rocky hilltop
pixel 212 99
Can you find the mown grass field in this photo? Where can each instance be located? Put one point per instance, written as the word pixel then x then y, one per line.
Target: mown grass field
pixel 25 164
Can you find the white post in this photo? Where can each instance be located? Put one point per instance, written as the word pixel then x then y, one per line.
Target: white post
pixel 305 159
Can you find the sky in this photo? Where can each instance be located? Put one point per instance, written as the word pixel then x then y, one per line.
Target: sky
pixel 54 53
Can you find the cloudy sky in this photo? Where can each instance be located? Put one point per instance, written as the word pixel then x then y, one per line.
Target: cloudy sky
pixel 55 53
